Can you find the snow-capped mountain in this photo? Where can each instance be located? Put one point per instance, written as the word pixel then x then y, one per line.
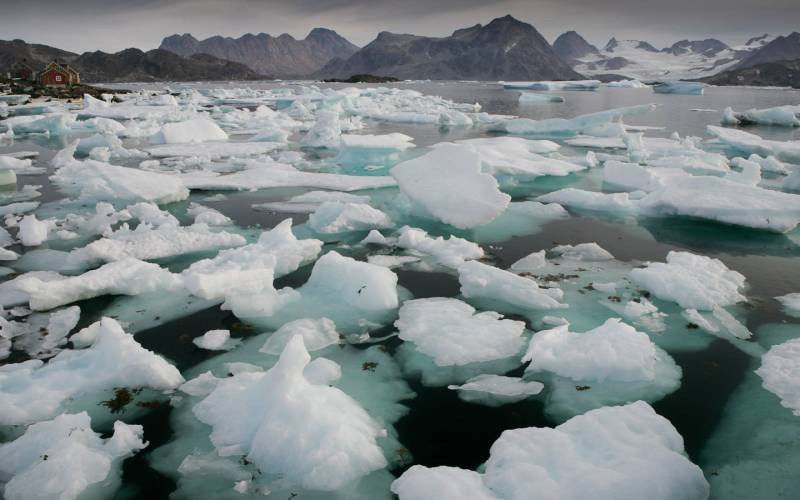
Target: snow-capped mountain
pixel 685 59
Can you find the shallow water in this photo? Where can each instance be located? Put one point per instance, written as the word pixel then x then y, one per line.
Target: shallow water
pixel 439 428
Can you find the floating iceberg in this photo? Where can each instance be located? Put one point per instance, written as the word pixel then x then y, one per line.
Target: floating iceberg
pixel 625 451
pixel 452 333
pixel 569 126
pixel 692 281
pixel 95 180
pixel 448 184
pixel 745 142
pixel 554 85
pixel 783 116
pixel 791 303
pixel 63 457
pixel 314 436
pixel 496 390
pixel 505 291
pixel 780 371
pixel 677 87
pixel 450 252
pixel 276 253
pixel 532 98
pixel 724 201
pixel 146 243
pixel 627 84
pixel 32 390
pixel 123 277
pixel 333 217
pixel 194 130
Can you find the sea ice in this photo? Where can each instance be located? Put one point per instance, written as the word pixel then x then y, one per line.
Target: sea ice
pixel 505 291
pixel 452 333
pixel 334 217
pixel 791 303
pixel 496 390
pixel 448 184
pixel 123 277
pixel 677 87
pixel 780 371
pixel 215 340
pixel 32 390
pixel 314 436
pixel 194 130
pixel 63 457
pixel 317 334
pixel 614 452
pixel 692 281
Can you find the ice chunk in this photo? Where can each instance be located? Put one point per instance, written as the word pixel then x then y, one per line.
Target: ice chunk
pixel 123 277
pixel 533 98
pixel 505 291
pixel 317 334
pixel 678 87
pixel 145 243
pixel 590 200
pixel 724 201
pixel 447 184
pixel 215 340
pixel 268 175
pixel 780 372
pixel 450 252
pixel 791 303
pixel 207 215
pixel 589 252
pixel 91 179
pixel 393 142
pixel 626 84
pixel 518 156
pixel 496 390
pixel 452 333
pixel 554 85
pixel 614 351
pixel 529 263
pixel 32 232
pixel 615 452
pixel 213 150
pixel 569 126
pixel 749 173
pixel 314 436
pixel 310 201
pixel 32 391
pixel 277 252
pixel 355 295
pixel 423 483
pixel 326 132
pixel 63 457
pixel 333 217
pixel 194 130
pixel 783 116
pixel 692 281
pixel 745 142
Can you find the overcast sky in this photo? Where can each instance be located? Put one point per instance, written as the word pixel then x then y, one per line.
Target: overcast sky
pixel 112 25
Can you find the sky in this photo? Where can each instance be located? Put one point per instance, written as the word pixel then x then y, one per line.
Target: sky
pixel 113 25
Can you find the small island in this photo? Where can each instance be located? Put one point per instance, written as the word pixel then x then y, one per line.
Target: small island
pixel 363 78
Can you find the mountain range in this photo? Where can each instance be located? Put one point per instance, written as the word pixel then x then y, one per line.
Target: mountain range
pixel 282 56
pixel 130 65
pixel 503 49
pixel 686 59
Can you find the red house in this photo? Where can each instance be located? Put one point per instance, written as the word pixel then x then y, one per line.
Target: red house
pixel 55 74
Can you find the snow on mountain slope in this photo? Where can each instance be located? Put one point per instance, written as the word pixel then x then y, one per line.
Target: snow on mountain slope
pixel 683 60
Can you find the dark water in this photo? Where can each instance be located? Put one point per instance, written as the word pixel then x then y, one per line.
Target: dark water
pixel 440 429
